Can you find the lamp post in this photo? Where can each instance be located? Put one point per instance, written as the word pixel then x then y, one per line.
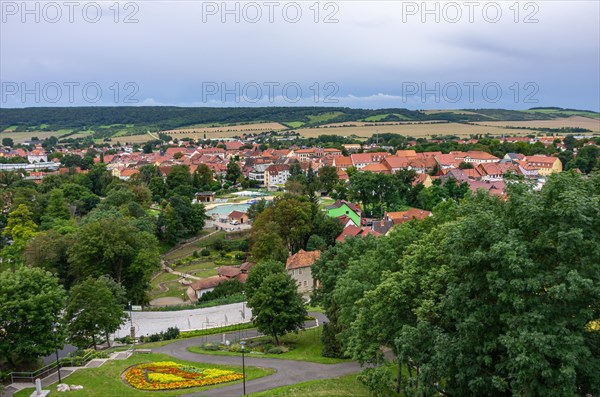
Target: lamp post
pixel 244 305
pixel 243 344
pixel 55 329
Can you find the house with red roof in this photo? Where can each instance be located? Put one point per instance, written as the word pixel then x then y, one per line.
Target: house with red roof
pixel 298 267
pixel 400 217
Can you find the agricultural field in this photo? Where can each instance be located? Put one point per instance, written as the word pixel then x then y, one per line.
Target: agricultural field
pixel 417 130
pixel 380 117
pixel 573 121
pixel 582 113
pixel 20 137
pixel 224 131
pixel 323 117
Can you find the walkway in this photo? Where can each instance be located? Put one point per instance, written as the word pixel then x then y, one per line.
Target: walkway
pixel 289 372
pixel 151 322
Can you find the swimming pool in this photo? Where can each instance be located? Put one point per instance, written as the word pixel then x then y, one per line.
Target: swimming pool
pixel 227 209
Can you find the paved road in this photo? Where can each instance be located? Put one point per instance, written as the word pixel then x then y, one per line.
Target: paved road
pixel 288 372
pixel 147 323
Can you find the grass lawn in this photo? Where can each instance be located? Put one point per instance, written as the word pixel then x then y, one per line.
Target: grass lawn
pixel 308 348
pixel 106 381
pixel 338 387
pixel 196 266
pixel 188 250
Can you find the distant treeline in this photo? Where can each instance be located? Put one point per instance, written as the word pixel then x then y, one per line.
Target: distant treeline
pixel 169 117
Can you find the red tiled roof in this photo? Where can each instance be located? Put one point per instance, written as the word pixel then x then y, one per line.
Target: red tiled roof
pixel 302 259
pixel 207 283
pixel 228 271
pixel 349 231
pixel 377 168
pixel 236 214
pixel 400 217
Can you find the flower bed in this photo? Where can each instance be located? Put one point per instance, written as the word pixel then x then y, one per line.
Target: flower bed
pixel 169 375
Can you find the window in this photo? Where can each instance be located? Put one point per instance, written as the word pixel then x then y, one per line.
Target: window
pixel 305 283
pixel 299 271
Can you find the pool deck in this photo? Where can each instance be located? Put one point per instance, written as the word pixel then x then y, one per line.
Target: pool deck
pixel 214 205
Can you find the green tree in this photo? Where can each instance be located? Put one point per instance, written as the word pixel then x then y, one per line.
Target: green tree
pixel 277 308
pixel 328 177
pixel 115 247
pixel 30 302
pixel 267 244
pixel 316 243
pixel 179 181
pixel 95 307
pixel 234 172
pixel 203 178
pixel 48 250
pixel 8 142
pixel 20 228
pixel 57 209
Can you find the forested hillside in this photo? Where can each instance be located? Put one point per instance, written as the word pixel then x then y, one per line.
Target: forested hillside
pixel 158 118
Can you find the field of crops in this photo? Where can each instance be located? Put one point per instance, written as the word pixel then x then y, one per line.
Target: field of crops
pixel 574 121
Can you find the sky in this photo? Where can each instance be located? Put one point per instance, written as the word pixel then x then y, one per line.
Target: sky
pixel 360 54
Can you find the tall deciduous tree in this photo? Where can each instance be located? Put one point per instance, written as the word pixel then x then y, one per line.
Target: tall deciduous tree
pixel 95 307
pixel 115 247
pixel 328 177
pixel 277 308
pixel 234 171
pixel 20 228
pixel 30 302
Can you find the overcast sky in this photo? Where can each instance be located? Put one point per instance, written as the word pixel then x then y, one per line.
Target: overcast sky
pixel 369 54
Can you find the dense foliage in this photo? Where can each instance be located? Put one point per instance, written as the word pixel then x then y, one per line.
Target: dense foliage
pixel 91 239
pixel 487 297
pixel 277 308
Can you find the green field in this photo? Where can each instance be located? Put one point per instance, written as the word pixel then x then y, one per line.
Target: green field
pixel 323 117
pixel 582 113
pixel 379 117
pixel 294 124
pixel 308 347
pixel 345 386
pixel 106 380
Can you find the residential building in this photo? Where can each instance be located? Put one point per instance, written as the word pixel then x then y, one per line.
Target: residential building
pixel 276 175
pixel 298 267
pixel 342 207
pixel 545 165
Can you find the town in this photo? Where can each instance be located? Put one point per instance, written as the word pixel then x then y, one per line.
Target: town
pixel 227 237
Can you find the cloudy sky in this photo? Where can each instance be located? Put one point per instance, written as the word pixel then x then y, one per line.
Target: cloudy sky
pixel 370 54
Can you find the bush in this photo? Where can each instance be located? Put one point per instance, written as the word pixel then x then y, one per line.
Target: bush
pixel 210 347
pixel 196 254
pixel 378 380
pixel 277 350
pixel 171 333
pixel 205 252
pixel 235 348
pixel 228 288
